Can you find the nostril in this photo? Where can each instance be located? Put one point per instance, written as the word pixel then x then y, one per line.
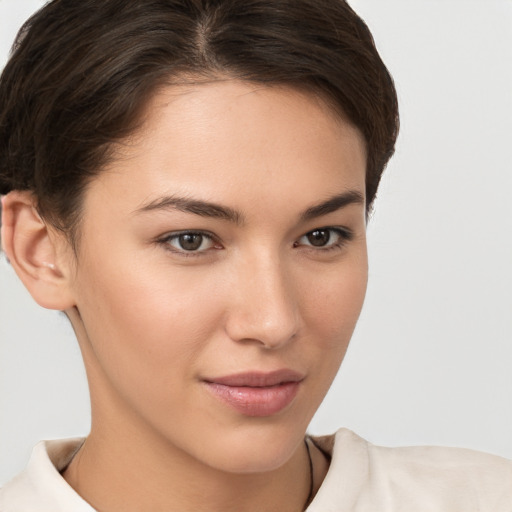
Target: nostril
pixel 264 309
pixel 269 333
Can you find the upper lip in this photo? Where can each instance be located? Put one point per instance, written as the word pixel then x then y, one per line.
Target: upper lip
pixel 258 379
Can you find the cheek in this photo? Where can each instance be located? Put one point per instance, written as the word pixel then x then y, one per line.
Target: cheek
pixel 143 319
pixel 333 307
pixel 330 313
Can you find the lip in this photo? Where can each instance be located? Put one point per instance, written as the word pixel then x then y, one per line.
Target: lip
pixel 256 393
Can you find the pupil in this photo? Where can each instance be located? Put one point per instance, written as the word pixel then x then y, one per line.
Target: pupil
pixel 319 237
pixel 191 242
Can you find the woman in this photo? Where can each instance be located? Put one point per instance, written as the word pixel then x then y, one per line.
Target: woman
pixel 195 200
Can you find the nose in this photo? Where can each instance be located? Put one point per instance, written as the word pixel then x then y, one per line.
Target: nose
pixel 264 308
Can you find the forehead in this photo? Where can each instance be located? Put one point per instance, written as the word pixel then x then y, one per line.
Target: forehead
pixel 230 140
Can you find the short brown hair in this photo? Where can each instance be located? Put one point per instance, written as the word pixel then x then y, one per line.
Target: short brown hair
pixel 81 73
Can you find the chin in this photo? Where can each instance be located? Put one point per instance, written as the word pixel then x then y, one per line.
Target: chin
pixel 257 461
pixel 257 449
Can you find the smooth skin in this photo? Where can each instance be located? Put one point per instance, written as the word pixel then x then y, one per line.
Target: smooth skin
pixel 167 292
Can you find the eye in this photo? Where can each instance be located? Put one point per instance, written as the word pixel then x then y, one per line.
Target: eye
pixel 189 242
pixel 325 238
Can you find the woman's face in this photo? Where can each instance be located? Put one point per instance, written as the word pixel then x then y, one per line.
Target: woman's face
pixel 221 271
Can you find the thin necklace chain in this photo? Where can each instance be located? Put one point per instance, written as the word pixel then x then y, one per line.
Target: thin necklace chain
pixel 311 483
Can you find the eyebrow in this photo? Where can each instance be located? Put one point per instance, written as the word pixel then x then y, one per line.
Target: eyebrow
pixel 333 204
pixel 216 211
pixel 197 207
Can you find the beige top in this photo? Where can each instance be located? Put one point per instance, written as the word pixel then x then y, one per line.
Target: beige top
pixel 361 478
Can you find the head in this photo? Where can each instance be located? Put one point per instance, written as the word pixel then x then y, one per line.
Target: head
pixel 82 73
pixel 190 180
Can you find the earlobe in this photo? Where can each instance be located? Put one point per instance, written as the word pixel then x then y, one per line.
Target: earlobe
pixel 34 253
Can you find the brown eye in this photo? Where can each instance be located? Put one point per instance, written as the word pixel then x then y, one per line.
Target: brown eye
pixel 319 237
pixel 325 238
pixel 190 241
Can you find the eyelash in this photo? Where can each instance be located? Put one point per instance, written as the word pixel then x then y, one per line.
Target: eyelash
pixel 343 235
pixel 167 239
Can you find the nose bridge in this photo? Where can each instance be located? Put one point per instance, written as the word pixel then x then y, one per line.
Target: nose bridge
pixel 265 309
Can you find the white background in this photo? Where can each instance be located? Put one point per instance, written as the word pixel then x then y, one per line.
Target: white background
pixel 431 359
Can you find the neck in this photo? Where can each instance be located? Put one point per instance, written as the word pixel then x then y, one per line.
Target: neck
pixel 127 465
pixel 123 474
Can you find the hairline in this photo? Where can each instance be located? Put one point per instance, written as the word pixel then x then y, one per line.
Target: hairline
pixel 189 80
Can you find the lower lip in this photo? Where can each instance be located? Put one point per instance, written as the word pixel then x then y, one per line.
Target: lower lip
pixel 256 401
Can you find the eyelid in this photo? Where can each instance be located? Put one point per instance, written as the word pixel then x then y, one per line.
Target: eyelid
pixel 344 235
pixel 165 239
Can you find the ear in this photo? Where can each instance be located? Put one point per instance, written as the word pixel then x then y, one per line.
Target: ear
pixel 38 254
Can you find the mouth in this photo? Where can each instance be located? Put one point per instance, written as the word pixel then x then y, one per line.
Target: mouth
pixel 256 393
